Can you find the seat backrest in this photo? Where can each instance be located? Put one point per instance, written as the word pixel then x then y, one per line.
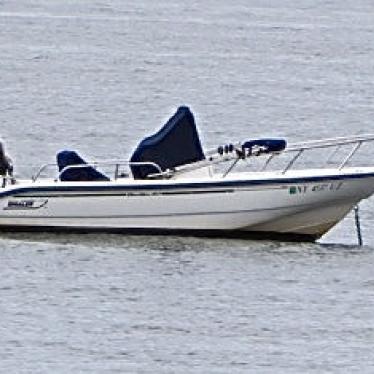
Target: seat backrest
pixel 78 174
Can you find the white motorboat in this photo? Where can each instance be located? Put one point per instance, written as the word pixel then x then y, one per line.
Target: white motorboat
pixel 172 186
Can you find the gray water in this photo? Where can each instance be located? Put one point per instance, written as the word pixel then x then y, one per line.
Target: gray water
pixel 97 76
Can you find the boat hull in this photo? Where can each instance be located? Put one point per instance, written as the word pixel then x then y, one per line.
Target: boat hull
pixel 301 207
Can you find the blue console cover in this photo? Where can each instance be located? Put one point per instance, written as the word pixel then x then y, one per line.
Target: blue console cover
pixel 176 143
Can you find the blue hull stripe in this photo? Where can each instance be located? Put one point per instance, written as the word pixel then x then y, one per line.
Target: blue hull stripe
pixel 59 188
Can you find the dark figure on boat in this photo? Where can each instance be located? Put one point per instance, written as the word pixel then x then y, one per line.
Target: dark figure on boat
pixel 6 167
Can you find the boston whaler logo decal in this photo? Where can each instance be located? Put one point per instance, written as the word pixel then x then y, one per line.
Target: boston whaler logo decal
pixel 26 204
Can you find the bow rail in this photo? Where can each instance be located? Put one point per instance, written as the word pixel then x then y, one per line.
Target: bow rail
pixel 235 153
pixel 232 153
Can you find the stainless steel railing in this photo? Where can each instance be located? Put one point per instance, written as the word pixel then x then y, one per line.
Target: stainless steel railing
pixel 116 164
pixel 213 158
pixel 337 143
pixel 298 149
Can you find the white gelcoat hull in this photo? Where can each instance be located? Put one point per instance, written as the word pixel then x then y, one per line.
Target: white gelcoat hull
pixel 301 203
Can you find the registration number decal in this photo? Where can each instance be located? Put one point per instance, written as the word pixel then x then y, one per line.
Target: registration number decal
pixel 320 187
